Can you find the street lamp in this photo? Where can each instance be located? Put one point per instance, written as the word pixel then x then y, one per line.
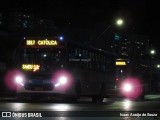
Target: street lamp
pixel 158 66
pixel 152 52
pixel 119 22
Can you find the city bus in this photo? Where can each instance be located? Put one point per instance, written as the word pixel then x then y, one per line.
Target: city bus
pixel 52 66
pixel 132 78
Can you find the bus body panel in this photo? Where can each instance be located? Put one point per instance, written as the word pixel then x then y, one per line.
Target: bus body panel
pixel 91 70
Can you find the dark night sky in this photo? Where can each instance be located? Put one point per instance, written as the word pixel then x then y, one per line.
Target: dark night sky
pixel 139 15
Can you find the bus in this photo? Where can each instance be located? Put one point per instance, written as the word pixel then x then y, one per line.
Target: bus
pixel 52 66
pixel 132 78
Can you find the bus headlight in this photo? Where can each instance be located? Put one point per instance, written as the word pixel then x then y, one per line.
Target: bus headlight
pixel 127 87
pixel 131 87
pixel 19 80
pixel 14 79
pixel 61 81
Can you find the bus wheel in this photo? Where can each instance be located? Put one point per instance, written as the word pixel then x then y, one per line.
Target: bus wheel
pixel 97 99
pixel 100 99
pixel 102 93
pixel 142 96
pixel 94 99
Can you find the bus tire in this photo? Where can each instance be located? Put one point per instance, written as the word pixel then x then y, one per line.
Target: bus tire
pixel 97 99
pixel 94 99
pixel 100 100
pixel 142 96
pixel 102 92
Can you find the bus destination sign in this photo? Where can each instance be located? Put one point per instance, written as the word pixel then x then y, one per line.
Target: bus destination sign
pixel 31 67
pixel 120 63
pixel 41 42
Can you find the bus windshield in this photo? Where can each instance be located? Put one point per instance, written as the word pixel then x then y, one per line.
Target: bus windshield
pixel 42 59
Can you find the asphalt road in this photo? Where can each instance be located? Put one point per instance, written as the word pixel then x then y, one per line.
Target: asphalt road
pixel 83 109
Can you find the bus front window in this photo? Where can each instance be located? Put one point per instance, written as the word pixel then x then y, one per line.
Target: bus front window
pixel 47 59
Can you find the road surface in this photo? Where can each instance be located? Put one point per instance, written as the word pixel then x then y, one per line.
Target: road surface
pixel 83 109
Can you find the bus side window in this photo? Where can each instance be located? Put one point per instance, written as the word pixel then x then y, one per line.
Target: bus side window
pixel 89 66
pixel 99 62
pixel 71 53
pixel 104 64
pixel 25 56
pixel 78 53
pixel 92 61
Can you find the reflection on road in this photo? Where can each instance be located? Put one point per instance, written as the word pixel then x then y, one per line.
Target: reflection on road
pixel 127 105
pixel 84 105
pixel 61 107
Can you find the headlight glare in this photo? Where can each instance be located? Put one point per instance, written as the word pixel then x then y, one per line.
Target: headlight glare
pixel 127 87
pixel 19 79
pixel 63 80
